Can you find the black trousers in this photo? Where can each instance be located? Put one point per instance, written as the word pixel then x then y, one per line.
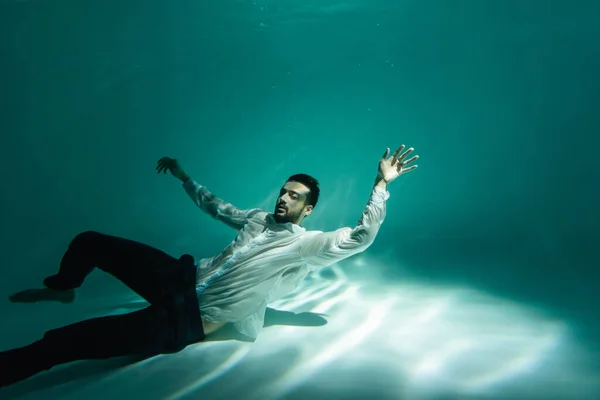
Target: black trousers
pixel 169 324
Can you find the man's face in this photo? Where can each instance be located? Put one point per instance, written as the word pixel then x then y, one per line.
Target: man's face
pixel 291 203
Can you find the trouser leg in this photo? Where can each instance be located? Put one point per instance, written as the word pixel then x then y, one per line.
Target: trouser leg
pixel 148 271
pixel 170 324
pixel 143 332
pixel 165 328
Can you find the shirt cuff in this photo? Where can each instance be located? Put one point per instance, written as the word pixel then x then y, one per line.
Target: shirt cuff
pixel 190 184
pixel 380 194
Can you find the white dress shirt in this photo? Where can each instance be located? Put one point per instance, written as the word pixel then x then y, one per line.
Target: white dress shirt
pixel 267 260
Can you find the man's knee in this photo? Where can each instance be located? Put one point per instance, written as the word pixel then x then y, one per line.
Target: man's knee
pixel 85 239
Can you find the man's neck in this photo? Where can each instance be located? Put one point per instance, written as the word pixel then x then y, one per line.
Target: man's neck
pixel 298 223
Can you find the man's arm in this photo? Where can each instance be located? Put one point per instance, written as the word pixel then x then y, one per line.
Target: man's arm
pixel 203 198
pixel 216 207
pixel 327 248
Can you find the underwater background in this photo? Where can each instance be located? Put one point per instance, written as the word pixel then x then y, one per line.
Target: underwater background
pixel 483 280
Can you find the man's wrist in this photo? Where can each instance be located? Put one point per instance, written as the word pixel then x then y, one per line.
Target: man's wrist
pixel 184 178
pixel 380 183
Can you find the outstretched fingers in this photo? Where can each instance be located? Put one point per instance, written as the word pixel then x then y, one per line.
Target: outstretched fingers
pixel 162 165
pixel 395 156
pixel 407 152
pixel 414 158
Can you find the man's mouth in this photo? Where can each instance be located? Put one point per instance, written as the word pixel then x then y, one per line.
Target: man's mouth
pixel 280 208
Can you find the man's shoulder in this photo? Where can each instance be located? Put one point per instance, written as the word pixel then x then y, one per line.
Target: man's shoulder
pixel 253 212
pixel 256 214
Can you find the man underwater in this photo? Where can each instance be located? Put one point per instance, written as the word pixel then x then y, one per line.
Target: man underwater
pixel 271 254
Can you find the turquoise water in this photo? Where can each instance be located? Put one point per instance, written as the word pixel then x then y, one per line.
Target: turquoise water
pixel 482 281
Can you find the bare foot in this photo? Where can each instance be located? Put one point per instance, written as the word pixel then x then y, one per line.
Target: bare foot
pixel 45 294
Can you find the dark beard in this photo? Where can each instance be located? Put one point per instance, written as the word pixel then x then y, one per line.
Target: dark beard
pixel 285 218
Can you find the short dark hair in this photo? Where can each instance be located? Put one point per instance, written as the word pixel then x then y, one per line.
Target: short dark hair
pixel 311 183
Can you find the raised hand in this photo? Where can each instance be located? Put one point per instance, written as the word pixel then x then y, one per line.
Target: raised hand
pixel 396 165
pixel 172 165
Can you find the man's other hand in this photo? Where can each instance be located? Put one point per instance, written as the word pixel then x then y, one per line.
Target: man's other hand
pixel 172 165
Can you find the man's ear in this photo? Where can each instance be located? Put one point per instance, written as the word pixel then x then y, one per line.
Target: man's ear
pixel 308 210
